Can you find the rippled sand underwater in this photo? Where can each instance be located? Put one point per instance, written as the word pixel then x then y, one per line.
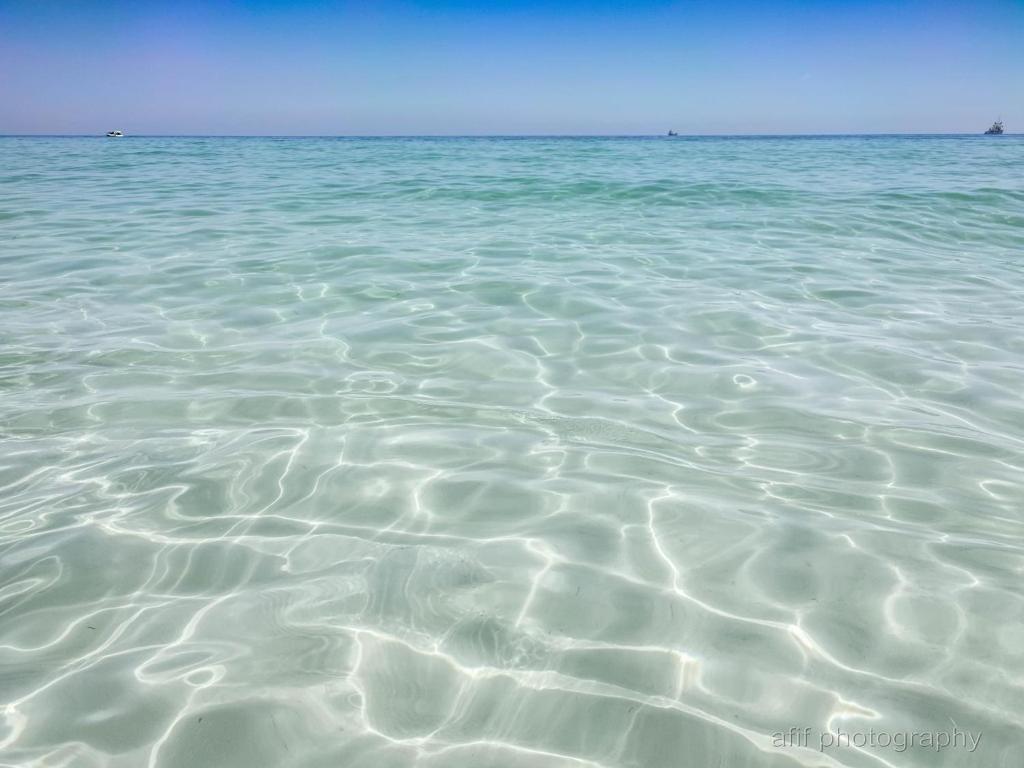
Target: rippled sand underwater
pixel 512 453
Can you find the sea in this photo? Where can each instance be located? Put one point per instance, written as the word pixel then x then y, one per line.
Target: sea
pixel 542 452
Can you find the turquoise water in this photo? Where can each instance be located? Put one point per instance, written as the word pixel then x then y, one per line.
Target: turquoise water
pixel 513 453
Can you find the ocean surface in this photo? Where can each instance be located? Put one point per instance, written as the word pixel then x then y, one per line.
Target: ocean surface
pixel 511 453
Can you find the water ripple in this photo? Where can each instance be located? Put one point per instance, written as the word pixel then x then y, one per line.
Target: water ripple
pixel 482 452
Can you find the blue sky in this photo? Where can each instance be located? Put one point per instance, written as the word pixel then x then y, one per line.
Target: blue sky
pixel 388 67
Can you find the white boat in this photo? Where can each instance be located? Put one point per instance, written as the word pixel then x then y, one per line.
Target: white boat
pixel 115 134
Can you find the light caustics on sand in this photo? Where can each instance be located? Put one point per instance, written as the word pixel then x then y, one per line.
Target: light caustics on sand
pixel 469 452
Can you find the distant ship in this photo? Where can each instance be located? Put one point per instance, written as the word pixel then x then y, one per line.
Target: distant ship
pixel 996 129
pixel 672 133
pixel 115 134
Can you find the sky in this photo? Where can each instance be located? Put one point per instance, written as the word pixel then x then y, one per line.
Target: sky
pixel 398 67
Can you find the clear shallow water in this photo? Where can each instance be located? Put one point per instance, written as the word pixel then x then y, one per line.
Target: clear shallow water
pixel 509 452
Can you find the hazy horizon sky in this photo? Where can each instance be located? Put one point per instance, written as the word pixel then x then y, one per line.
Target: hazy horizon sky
pixel 388 67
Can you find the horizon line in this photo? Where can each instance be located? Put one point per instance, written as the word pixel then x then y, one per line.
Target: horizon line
pixel 837 134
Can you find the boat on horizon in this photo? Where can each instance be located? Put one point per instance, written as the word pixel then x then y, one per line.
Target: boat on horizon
pixel 115 134
pixel 672 133
pixel 996 129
